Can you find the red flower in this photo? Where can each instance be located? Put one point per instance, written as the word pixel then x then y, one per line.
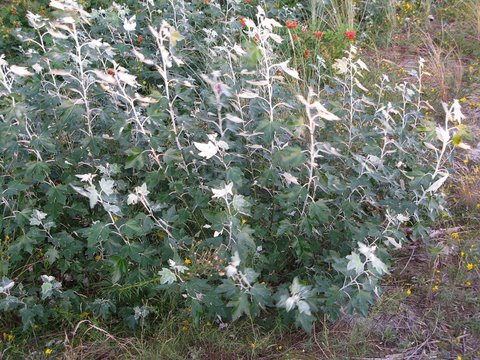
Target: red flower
pixel 292 24
pixel 351 35
pixel 140 39
pixel 248 1
pixel 295 37
pixel 242 22
pixel 319 34
pixel 307 54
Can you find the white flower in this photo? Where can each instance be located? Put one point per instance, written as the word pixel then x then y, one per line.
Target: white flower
pixel 223 193
pixel 130 24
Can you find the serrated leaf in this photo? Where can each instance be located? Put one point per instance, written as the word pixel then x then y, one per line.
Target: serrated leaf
pixel 167 276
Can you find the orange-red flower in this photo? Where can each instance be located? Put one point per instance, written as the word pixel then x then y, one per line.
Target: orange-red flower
pixel 242 22
pixel 318 34
pixel 307 54
pixel 292 24
pixel 351 35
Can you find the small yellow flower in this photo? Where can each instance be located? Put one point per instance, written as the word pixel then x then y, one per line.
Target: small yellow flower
pixel 48 351
pixel 435 288
pixel 279 347
pixel 409 291
pixel 8 337
pixel 185 329
pixel 187 261
pixel 459 357
pixel 470 266
pixel 478 206
pixel 115 218
pixel 209 323
pixel 253 346
pixel 462 253
pixel 455 235
pixel 244 221
pixel 468 283
pixel 465 161
pixel 98 258
pixel 464 99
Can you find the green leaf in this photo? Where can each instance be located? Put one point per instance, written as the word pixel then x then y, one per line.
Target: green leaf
pixel 135 159
pixel 289 157
pixel 240 306
pixel 319 212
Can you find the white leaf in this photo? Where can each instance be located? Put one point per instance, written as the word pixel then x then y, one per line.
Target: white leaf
pixel 107 186
pixel 127 78
pixel 92 196
pixel 442 134
pixel 223 193
pixel 290 179
pixel 130 24
pixel 247 95
pixel 6 285
pixel 290 303
pixel 378 265
pixel 114 209
pixel 167 276
pixel 142 190
pixel 392 241
pixel 132 199
pixel 234 119
pixel 20 70
pixel 323 112
pixel 436 185
pixel 207 150
pixel 47 278
pixel 303 307
pixel 86 177
pixel 292 72
pixel 355 263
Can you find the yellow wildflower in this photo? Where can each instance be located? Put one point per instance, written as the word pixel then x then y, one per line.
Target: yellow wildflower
pixel 464 99
pixel 279 347
pixel 470 266
pixel 253 346
pixel 409 292
pixel 468 283
pixel 8 337
pixel 48 351
pixel 115 218
pixel 244 221
pixel 455 235
pixel 465 161
pixel 187 261
pixel 462 253
pixel 435 288
pixel 459 357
